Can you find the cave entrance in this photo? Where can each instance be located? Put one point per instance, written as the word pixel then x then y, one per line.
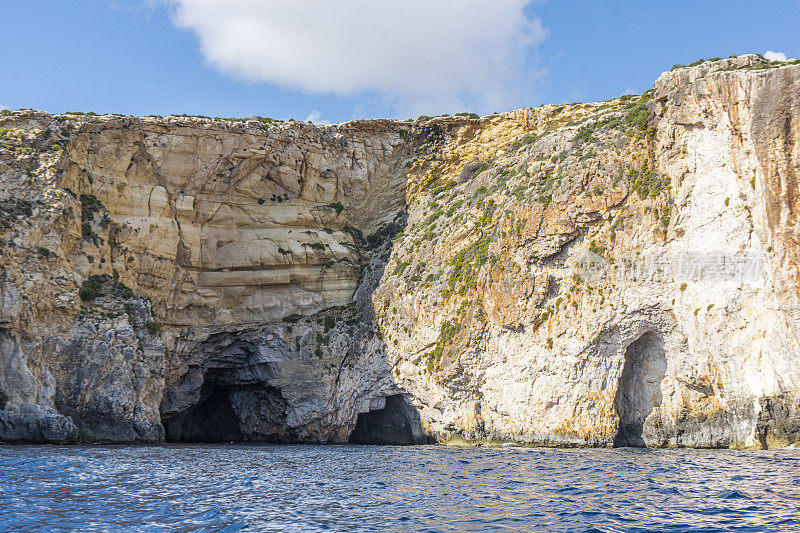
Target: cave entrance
pixel 231 412
pixel 211 420
pixel 639 389
pixel 397 423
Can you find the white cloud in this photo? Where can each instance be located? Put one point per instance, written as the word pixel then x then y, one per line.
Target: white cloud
pixel 316 117
pixel 2 107
pixel 412 52
pixel 774 56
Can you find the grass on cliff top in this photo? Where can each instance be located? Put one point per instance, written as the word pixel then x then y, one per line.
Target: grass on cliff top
pixel 761 66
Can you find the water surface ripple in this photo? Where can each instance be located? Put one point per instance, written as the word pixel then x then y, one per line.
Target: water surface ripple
pixel 386 488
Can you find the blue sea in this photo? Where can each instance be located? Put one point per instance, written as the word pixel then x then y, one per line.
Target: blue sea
pixel 388 488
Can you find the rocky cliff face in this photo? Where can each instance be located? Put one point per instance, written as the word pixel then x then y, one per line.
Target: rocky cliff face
pixel 617 273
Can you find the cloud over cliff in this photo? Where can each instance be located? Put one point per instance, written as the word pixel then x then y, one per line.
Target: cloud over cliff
pixel 775 56
pixel 414 52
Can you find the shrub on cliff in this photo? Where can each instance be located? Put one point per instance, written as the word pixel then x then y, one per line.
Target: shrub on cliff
pixel 637 116
pixel 100 285
pixel 337 206
pixel 92 288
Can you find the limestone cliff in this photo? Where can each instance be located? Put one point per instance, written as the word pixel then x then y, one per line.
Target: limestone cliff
pixel 624 272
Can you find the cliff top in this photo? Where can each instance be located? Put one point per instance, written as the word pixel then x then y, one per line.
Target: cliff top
pixel 695 70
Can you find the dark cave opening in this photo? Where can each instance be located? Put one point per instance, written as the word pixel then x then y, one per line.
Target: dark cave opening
pixel 211 420
pixel 231 413
pixel 398 423
pixel 639 390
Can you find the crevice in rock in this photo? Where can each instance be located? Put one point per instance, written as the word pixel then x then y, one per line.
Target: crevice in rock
pixel 639 389
pixel 397 423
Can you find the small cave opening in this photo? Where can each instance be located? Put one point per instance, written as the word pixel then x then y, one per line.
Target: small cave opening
pixel 397 423
pixel 639 390
pixel 231 413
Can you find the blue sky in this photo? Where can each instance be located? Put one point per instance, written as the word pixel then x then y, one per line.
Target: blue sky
pixel 339 60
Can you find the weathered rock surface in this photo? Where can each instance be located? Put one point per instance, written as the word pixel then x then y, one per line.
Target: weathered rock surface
pixel 618 273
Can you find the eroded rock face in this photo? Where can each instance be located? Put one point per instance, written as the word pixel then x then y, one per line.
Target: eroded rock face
pixel 514 277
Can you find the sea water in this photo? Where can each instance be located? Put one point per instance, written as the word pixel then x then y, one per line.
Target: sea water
pixel 387 488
